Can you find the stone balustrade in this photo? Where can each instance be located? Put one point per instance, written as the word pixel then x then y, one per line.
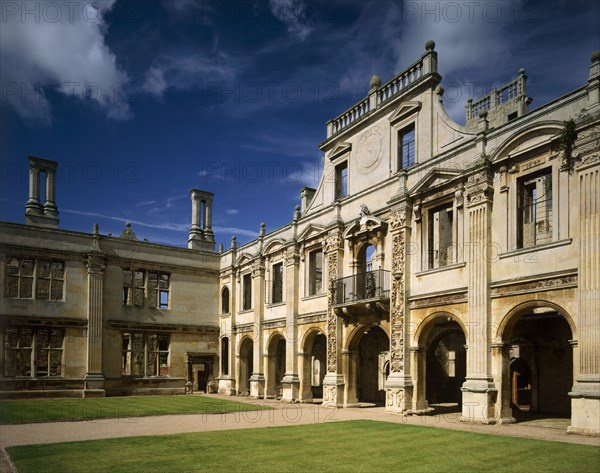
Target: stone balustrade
pixel 381 95
pixel 512 91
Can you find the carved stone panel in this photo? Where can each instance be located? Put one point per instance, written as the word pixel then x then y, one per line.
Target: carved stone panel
pixel 397 304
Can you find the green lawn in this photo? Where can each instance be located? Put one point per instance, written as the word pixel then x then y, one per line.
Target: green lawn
pixel 53 410
pixel 356 446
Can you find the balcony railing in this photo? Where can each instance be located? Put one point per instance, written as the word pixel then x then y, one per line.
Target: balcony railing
pixel 372 285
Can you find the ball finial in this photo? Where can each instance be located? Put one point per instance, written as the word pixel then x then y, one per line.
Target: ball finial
pixel 375 82
pixel 596 56
pixel 430 45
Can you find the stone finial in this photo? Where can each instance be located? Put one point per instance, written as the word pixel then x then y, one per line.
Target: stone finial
pixel 263 230
pixel 375 82
pixel 596 56
pixel 297 213
pixel 430 45
pixel 96 229
pixel 483 114
pixel 233 242
pixel 127 233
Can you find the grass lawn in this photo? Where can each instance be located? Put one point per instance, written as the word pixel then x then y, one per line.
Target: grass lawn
pixel 355 446
pixel 52 410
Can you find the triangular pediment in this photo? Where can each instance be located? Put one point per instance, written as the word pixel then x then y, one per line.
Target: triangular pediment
pixel 435 178
pixel 339 150
pixel 243 259
pixel 310 232
pixel 404 110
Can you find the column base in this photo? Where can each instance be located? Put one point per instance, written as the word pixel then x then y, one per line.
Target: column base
pixel 226 386
pixel 333 390
pixel 93 386
pixel 585 406
pixel 291 387
pixel 257 386
pixel 479 401
pixel 399 393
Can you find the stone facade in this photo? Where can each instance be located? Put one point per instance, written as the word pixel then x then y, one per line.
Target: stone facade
pixel 435 267
pixel 475 241
pixel 95 315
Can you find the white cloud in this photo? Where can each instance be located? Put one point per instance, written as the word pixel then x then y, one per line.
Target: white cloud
pixel 232 211
pixel 185 72
pixel 182 6
pixel 176 227
pixel 145 203
pixel 155 82
pixel 470 37
pixel 59 47
pixel 292 13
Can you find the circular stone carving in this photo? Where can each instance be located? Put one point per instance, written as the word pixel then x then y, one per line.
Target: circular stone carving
pixel 370 149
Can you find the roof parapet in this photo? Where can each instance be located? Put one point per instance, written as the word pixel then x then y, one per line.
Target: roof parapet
pixel 380 95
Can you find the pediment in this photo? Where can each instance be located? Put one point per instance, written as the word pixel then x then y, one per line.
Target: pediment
pixel 435 178
pixel 274 245
pixel 404 110
pixel 243 259
pixel 311 231
pixel 365 223
pixel 339 150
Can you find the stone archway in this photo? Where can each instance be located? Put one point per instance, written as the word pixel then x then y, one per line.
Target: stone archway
pixel 366 361
pixel 537 364
pixel 314 368
pixel 441 365
pixel 245 365
pixel 275 366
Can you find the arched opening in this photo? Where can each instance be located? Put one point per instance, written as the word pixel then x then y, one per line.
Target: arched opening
pixel 314 367
pixel 276 366
pixel 225 300
pixel 446 366
pixel 441 365
pixel 539 366
pixel 366 258
pixel 246 366
pixel 366 376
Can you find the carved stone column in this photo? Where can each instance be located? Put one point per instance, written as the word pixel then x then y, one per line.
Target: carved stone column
pixel 291 380
pixel 257 380
pixel 333 383
pixel 585 395
pixel 479 394
pixel 399 386
pixel 94 379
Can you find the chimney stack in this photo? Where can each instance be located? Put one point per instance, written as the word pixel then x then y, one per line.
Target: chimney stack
pixel 201 236
pixel 45 215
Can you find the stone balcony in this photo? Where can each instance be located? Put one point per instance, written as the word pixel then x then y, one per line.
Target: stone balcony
pixel 362 296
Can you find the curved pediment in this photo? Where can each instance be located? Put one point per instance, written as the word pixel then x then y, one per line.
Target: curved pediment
pixel 274 245
pixel 528 138
pixel 365 223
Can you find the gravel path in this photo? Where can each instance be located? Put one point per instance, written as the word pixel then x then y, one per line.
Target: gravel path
pixel 280 414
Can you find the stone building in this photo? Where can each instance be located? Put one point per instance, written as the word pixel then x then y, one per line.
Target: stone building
pixel 94 315
pixel 436 266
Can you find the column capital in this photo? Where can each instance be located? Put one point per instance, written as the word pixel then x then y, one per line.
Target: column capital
pixel 95 263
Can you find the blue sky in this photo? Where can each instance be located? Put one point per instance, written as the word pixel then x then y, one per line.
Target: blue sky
pixel 141 101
